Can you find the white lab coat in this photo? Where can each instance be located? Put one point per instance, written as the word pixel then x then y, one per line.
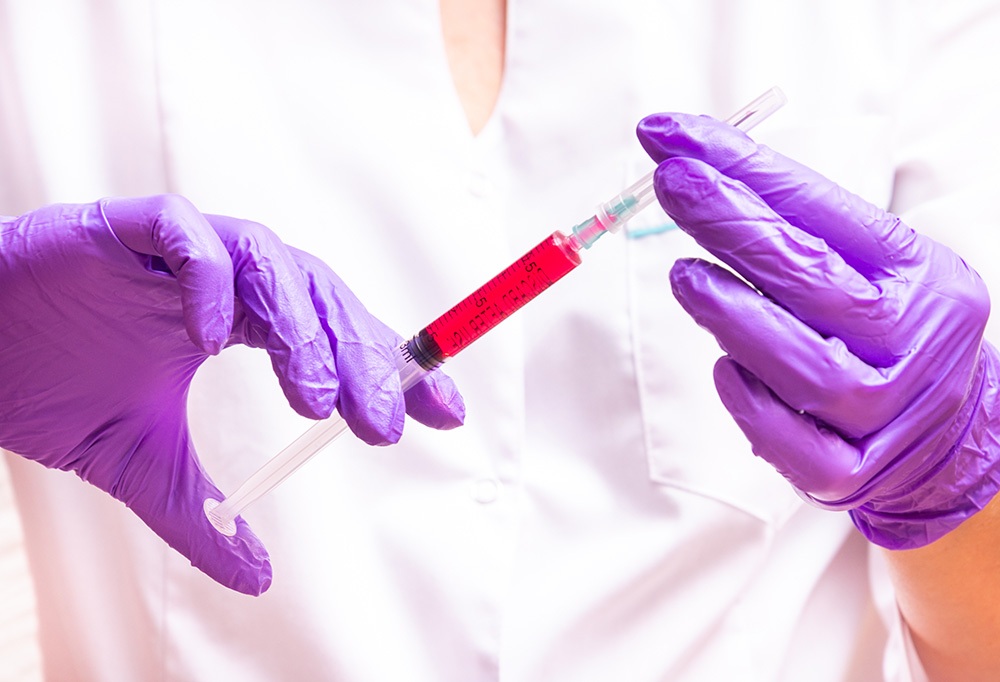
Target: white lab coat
pixel 599 517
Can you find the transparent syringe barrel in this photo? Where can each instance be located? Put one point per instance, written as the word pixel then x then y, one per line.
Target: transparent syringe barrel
pixel 445 337
pixel 495 301
pixel 614 213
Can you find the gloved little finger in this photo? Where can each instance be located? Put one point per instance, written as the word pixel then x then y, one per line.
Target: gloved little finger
pixel 809 372
pixel 171 228
pixel 814 459
pixel 436 402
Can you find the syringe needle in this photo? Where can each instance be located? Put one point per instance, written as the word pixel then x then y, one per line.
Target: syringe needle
pixel 614 213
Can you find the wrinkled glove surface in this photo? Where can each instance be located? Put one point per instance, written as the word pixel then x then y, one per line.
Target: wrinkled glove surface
pixel 855 360
pixel 108 309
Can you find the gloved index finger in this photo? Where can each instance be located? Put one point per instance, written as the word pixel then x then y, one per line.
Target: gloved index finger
pixel 170 227
pixel 799 271
pixel 868 238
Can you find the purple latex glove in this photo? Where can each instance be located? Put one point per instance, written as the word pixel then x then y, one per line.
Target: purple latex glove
pixel 99 342
pixel 856 362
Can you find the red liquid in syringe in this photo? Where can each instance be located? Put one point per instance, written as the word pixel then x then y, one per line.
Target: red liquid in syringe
pixel 492 303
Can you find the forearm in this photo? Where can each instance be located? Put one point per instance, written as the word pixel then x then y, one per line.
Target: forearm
pixel 949 595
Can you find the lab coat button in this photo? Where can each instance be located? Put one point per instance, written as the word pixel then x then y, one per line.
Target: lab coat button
pixel 480 186
pixel 485 490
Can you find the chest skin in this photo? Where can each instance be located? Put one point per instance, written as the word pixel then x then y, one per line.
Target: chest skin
pixel 474 34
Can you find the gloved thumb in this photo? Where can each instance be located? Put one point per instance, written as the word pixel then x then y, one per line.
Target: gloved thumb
pixel 164 484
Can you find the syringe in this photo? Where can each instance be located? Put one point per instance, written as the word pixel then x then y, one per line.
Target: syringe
pixel 475 315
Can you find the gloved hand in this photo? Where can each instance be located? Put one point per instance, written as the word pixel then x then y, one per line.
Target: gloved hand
pixel 855 362
pixel 99 342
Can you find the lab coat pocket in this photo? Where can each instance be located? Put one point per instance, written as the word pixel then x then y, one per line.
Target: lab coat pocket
pixel 691 442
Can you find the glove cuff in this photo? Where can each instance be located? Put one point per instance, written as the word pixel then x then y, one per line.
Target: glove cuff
pixel 959 486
